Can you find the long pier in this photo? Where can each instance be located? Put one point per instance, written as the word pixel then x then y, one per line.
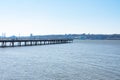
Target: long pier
pixel 29 42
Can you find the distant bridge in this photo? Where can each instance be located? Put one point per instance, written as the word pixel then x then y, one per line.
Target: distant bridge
pixel 33 42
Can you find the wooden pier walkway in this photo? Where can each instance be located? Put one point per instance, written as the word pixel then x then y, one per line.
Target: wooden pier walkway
pixel 18 42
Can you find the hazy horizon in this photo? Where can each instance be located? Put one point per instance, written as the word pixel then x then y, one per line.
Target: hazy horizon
pixel 8 35
pixel 23 17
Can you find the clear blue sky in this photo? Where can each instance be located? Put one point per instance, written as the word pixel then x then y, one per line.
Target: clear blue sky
pixel 59 17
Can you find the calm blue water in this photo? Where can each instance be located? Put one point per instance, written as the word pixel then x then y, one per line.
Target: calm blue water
pixel 80 60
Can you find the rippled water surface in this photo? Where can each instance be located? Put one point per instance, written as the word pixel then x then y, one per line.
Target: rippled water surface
pixel 80 60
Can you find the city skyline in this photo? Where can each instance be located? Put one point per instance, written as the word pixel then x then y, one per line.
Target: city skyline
pixel 23 17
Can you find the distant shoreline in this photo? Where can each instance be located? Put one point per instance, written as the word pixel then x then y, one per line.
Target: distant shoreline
pixel 68 36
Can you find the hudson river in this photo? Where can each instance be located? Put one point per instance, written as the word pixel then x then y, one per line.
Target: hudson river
pixel 80 60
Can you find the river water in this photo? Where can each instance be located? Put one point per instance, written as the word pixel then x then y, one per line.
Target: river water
pixel 80 60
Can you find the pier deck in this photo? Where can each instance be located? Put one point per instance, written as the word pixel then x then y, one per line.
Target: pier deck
pixel 33 42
